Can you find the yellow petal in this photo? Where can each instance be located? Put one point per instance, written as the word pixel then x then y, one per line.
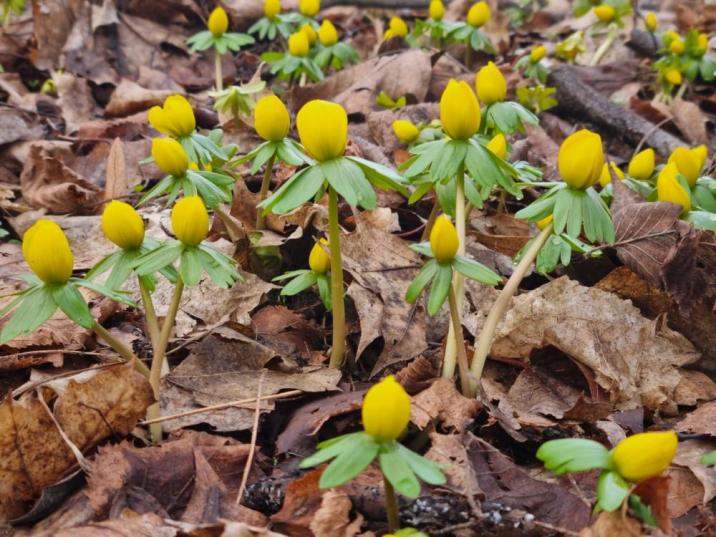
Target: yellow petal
pixel 669 189
pixel 122 225
pixel 218 21
pixel 580 159
pixel 271 119
pixel 605 177
pixel 327 33
pixel 190 221
pixel 309 8
pixel 444 241
pixel 644 455
pixel 47 252
pixel 169 156
pixel 642 165
pixel 436 10
pixel 174 118
pixel 318 260
pixel 398 27
pixel 538 53
pixel 677 46
pixel 651 22
pixel 688 164
pixel 386 410
pixel 605 13
pixel 405 131
pixel 490 84
pixel 701 152
pixel 498 145
pixel 673 76
pixel 323 129
pixel 459 110
pixel 478 15
pixel 298 44
pixel 272 8
pixel 310 33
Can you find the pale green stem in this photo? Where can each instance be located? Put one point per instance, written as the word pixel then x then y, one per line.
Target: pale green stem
pixel 605 46
pixel 150 314
pixel 682 90
pixel 339 307
pixel 124 351
pixel 263 193
pixel 218 72
pixel 469 389
pixel 391 506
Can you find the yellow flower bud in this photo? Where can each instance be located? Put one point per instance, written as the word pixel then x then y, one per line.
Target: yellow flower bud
pixel 580 159
pixel 605 178
pixel 673 76
pixel 327 33
pixel 669 36
pixel 541 224
pixel 309 8
pixel 169 156
pixel 190 221
pixel 478 15
pixel 538 53
pixel 459 110
pixel 644 455
pixel 272 8
pixel 405 131
pixel 677 46
pixel 122 225
pixel 310 33
pixel 298 44
pixel 388 34
pixel 669 189
pixel 702 153
pixel 651 22
pixel 642 165
pixel 498 145
pixel 218 22
pixel 386 410
pixel 605 13
pixel 47 251
pixel 436 10
pixel 702 44
pixel 271 119
pixel 490 84
pixel 318 260
pixel 443 240
pixel 323 129
pixel 174 118
pixel 398 27
pixel 688 163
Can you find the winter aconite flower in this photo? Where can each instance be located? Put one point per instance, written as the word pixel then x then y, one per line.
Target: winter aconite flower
pixel 605 13
pixel 386 410
pixel 677 46
pixel 459 110
pixel 309 8
pixel 327 33
pixel 436 10
pixel 443 240
pixel 310 33
pixel 318 260
pixel 702 153
pixel 271 119
pixel 272 8
pixel 478 15
pixel 174 118
pixel 298 44
pixel 190 221
pixel 398 27
pixel 650 21
pixel 644 455
pixel 490 84
pixel 642 165
pixel 218 22
pixel 688 163
pixel 605 177
pixel 498 145
pixel 169 156
pixel 674 77
pixel 47 252
pixel 580 159
pixel 405 131
pixel 669 189
pixel 122 225
pixel 323 129
pixel 537 53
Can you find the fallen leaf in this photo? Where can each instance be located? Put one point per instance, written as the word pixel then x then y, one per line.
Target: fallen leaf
pixel 442 404
pixel 614 524
pixel 116 185
pixel 333 517
pixel 690 120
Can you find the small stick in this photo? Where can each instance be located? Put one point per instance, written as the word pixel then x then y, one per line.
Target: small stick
pixel 254 435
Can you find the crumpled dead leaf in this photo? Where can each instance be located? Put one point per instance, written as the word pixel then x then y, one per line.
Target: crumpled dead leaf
pixel 333 517
pixel 443 404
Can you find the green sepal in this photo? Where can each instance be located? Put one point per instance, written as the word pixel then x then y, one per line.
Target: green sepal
pixel 123 297
pixel 421 280
pixel 508 117
pixel 352 453
pixel 323 283
pixel 190 266
pixel 73 304
pixel 348 179
pixel 439 289
pixel 220 268
pixel 423 248
pixel 611 491
pixel 475 271
pixel 569 455
pixel 36 305
pixel 159 258
pixel 301 282
pixel 397 471
pixel 301 187
pixel 425 469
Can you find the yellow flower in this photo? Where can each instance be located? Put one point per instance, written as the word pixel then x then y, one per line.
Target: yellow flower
pixel 605 178
pixel 298 44
pixel 642 165
pixel 498 145
pixel 436 10
pixel 388 35
pixel 644 455
pixel 47 251
pixel 327 33
pixel 580 159
pixel 688 163
pixel 190 221
pixel 271 119
pixel 677 46
pixel 669 36
pixel 702 44
pixel 318 260
pixel 605 13
pixel 405 130
pixel 478 15
pixel 218 22
pixel 310 33
pixel 398 27
pixel 459 110
pixel 545 221
pixel 673 76
pixel 702 153
pixel 174 118
pixel 272 8
pixel 122 225
pixel 169 156
pixel 309 8
pixel 491 85
pixel 323 129
pixel 443 240
pixel 651 22
pixel 669 189
pixel 538 53
pixel 386 410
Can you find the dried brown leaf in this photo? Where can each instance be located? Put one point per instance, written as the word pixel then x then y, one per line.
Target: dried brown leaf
pixel 444 405
pixel 116 185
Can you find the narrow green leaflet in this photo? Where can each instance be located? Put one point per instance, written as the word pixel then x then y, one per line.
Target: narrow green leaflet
pixel 421 280
pixel 299 283
pixel 568 455
pixel 73 304
pixel 398 472
pixel 611 491
pixel 350 462
pixel 642 511
pixel 190 266
pixel 324 290
pixel 440 289
pixel 300 188
pixel 475 271
pixel 709 458
pixel 426 470
pixel 36 307
pixel 123 297
pixel 159 258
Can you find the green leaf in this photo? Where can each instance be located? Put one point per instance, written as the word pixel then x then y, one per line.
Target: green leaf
pixel 190 266
pixel 36 306
pixel 642 511
pixel 475 270
pixel 702 219
pixel 425 469
pixel 349 462
pixel 299 283
pixel 73 304
pixel 421 280
pixel 398 472
pixel 440 289
pixel 423 248
pixel 324 290
pixel 122 269
pixel 289 275
pixel 709 459
pixel 568 455
pixel 157 259
pixel 123 297
pixel 300 188
pixel 348 180
pixel 611 491
pixel 220 268
pixel 104 264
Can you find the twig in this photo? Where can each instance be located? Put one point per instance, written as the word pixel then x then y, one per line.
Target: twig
pixel 649 133
pixel 84 464
pixel 254 435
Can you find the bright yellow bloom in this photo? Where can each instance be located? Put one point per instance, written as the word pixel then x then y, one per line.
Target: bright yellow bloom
pixel 498 145
pixel 169 156
pixel 271 119
pixel 459 110
pixel 605 178
pixel 541 224
pixel 327 33
pixel 677 46
pixel 644 455
pixel 298 44
pixel 673 76
pixel 272 8
pixel 669 189
pixel 651 22
pixel 388 35
pixel 122 225
pixel 386 410
pixel 218 22
pixel 309 8
pixel 702 153
pixel 605 13
pixel 174 118
pixel 443 240
pixel 669 36
pixel 702 44
pixel 642 165
pixel 580 159
pixel 436 10
pixel 537 53
pixel 310 33
pixel 405 131
pixel 47 251
pixel 318 260
pixel 478 15
pixel 490 84
pixel 688 163
pixel 398 27
pixel 190 221
pixel 323 129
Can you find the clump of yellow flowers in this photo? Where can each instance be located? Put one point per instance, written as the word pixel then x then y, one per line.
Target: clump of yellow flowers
pixel 386 414
pixel 332 52
pixel 683 57
pixel 297 63
pixel 469 32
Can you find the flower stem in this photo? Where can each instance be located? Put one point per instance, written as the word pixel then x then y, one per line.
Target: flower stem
pixel 605 46
pixel 434 212
pixel 265 183
pixel 468 387
pixel 680 93
pixel 391 506
pixel 339 307
pixel 468 55
pixel 484 341
pixel 150 314
pixel 124 351
pixel 217 71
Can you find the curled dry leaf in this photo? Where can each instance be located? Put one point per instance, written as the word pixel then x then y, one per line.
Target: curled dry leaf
pixel 333 517
pixel 444 405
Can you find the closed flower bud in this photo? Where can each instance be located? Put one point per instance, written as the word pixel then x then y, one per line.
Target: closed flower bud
pixel 651 22
pixel 443 240
pixel 122 225
pixel 436 10
pixel 218 22
pixel 688 163
pixel 669 36
pixel 388 35
pixel 190 221
pixel 272 8
pixel 398 27
pixel 323 129
pixel 642 165
pixel 405 131
pixel 673 76
pixel 47 251
pixel 478 15
pixel 644 455
pixel 669 189
pixel 327 33
pixel 386 410
pixel 271 119
pixel 605 13
pixel 298 44
pixel 174 118
pixel 580 159
pixel 537 53
pixel 541 224
pixel 490 84
pixel 310 33
pixel 309 8
pixel 318 260
pixel 169 156
pixel 605 178
pixel 498 145
pixel 677 46
pixel 702 153
pixel 459 110
pixel 702 44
